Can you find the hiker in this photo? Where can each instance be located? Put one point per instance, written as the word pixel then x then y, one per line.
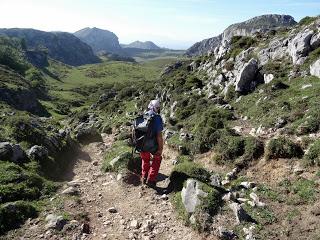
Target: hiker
pixel 150 171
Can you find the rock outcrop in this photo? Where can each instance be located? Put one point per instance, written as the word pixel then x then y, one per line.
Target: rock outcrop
pixel 248 77
pixel 315 69
pixel 191 195
pixel 260 24
pixel 12 152
pixel 299 47
pixel 101 41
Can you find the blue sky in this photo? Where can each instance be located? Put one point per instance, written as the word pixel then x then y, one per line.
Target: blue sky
pixel 169 23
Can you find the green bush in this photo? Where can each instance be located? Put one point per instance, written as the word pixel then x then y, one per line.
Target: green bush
pixel 193 82
pixel 18 184
pixel 243 150
pixel 119 149
pixel 310 125
pixel 184 158
pixel 26 129
pixel 185 170
pixel 253 148
pixel 187 106
pixel 306 142
pixel 312 157
pixel 228 149
pixel 283 147
pixel 12 215
pixel 212 201
pixel 62 108
pixel 209 128
pixel 111 106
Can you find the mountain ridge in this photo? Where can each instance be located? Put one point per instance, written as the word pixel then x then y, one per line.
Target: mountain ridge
pixel 260 24
pixel 61 46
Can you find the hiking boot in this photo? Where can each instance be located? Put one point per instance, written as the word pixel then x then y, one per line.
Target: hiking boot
pixel 152 184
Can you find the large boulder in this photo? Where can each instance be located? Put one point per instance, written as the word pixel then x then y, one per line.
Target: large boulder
pixel 38 153
pixel 12 152
pixel 87 134
pixel 192 195
pixel 248 77
pixel 55 222
pixel 315 41
pixel 19 156
pixel 201 203
pixel 299 47
pixel 6 151
pixel 315 69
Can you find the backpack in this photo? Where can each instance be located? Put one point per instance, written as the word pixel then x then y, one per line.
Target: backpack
pixel 143 138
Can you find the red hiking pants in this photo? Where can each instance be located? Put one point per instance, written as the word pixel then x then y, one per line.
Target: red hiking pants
pixel 147 170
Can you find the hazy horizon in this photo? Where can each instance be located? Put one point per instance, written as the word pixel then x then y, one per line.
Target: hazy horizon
pixel 175 24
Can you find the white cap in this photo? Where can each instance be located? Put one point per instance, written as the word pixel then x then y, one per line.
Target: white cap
pixel 154 105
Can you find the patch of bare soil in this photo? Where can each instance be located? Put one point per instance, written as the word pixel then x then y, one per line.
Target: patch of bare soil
pixel 108 208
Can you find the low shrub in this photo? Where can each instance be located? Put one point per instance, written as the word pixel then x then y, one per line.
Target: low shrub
pixel 12 215
pixel 26 129
pixel 283 147
pixel 209 128
pixel 310 125
pixel 185 170
pixel 126 92
pixel 231 94
pixel 253 148
pixel 228 149
pixel 193 82
pixel 119 149
pixel 306 142
pixel 18 184
pixel 312 157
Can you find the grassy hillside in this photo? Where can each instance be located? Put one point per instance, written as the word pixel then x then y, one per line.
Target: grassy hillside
pixel 142 55
pixel 55 92
pixel 72 86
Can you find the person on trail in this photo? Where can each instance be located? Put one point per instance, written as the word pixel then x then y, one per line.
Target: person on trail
pixel 149 172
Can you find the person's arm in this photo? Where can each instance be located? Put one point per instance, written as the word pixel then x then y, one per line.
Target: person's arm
pixel 160 143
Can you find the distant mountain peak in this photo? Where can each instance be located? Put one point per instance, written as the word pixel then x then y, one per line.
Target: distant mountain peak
pixel 100 40
pixel 148 45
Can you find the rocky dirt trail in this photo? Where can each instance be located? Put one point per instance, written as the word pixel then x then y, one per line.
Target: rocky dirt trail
pixel 118 210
